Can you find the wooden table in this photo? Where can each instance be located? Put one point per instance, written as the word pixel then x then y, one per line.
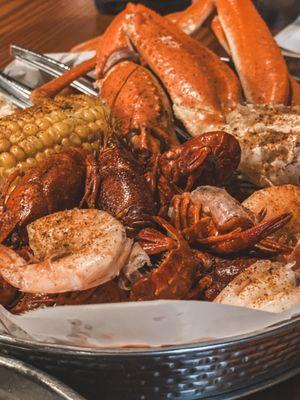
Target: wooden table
pixel 54 26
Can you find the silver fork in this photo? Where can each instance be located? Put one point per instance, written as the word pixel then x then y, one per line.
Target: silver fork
pixel 19 93
pixel 50 66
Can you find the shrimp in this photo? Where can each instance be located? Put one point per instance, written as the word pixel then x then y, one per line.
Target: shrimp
pixel 73 250
pixel 265 285
pixel 275 200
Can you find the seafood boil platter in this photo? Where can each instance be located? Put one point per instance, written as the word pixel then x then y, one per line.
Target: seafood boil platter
pixel 150 207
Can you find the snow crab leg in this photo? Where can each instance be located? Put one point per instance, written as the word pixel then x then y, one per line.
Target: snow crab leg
pixel 260 64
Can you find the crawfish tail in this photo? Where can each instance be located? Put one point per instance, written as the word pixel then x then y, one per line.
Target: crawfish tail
pixel 123 189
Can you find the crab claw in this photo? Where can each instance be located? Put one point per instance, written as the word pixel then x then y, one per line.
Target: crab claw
pixel 257 57
pixel 239 241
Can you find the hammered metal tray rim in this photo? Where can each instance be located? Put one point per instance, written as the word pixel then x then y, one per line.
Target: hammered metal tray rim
pixel 38 376
pixel 145 351
pixel 252 389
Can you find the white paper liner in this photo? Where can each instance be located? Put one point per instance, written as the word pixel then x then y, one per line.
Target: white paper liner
pixel 142 324
pixel 289 37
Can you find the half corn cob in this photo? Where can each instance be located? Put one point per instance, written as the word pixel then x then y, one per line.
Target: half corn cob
pixel 29 135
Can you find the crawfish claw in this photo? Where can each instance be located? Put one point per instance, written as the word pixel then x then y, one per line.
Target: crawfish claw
pixel 154 242
pixel 232 243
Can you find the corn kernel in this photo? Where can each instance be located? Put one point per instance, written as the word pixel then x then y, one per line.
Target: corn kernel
pixel 66 142
pixel 57 148
pixel 7 160
pixel 75 139
pixel 28 147
pixel 62 128
pixel 31 162
pixel 36 142
pixel 93 127
pixel 4 144
pixel 46 138
pixel 49 151
pixel 30 129
pixel 39 156
pixel 101 124
pixel 7 172
pixel 54 134
pixel 43 123
pixel 88 115
pixel 17 152
pixel 55 116
pixel 13 126
pixel 82 130
pixel 22 165
pixel 16 137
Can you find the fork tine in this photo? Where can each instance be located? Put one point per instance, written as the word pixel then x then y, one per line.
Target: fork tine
pixel 18 92
pixel 51 67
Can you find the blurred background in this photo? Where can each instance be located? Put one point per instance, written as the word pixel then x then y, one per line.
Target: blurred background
pixel 277 13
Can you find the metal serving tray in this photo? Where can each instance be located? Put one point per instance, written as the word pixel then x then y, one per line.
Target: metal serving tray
pixel 19 381
pixel 219 370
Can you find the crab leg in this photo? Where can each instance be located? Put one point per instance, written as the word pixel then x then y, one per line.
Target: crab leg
pixel 235 242
pixel 257 57
pixel 219 33
pixel 224 79
pixel 215 85
pixel 117 45
pixel 191 19
pixel 189 84
pixel 295 92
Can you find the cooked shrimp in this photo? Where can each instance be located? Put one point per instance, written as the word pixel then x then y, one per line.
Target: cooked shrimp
pixel 284 198
pixel 263 286
pixel 74 249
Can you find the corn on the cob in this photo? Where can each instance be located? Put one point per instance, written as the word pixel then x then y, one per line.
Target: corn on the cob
pixel 29 135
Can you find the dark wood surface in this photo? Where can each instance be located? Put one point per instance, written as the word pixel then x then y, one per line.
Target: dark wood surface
pixel 57 25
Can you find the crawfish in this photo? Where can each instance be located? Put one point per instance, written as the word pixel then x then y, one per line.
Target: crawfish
pixel 54 184
pixel 211 158
pixel 176 274
pixel 210 217
pixel 116 184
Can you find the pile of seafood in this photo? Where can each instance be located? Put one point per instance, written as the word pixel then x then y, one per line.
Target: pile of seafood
pixel 104 201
